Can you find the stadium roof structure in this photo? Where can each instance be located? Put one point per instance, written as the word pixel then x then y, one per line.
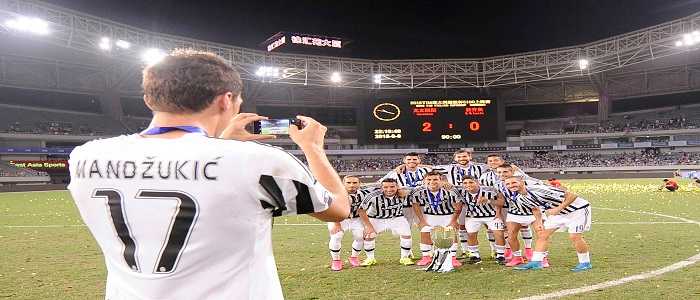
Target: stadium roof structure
pixel 574 73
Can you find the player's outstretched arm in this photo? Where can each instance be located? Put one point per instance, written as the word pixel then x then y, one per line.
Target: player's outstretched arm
pixel 569 198
pixel 368 231
pixel 310 140
pixel 419 213
pixel 455 216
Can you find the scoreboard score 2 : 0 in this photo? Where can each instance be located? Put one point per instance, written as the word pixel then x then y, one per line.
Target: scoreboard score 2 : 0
pixel 430 121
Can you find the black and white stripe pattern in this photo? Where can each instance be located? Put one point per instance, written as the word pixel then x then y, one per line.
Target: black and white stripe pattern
pixel 455 173
pixel 439 204
pixel 289 197
pixel 476 210
pixel 379 206
pixel 356 202
pixel 548 197
pixel 489 179
pixel 514 206
pixel 408 179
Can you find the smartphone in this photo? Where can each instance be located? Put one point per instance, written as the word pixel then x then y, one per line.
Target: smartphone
pixel 275 126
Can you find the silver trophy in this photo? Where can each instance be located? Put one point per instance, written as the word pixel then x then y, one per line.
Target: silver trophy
pixel 442 237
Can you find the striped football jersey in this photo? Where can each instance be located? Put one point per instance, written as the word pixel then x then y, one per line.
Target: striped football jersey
pixel 440 203
pixel 379 206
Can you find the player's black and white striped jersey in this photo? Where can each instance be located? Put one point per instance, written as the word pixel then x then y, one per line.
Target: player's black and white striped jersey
pixel 470 201
pixel 547 197
pixel 514 206
pixel 489 179
pixel 455 172
pixel 439 204
pixel 356 201
pixel 159 209
pixel 408 179
pixel 379 206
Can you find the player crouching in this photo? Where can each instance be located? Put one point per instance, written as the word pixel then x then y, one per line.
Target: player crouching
pixel 352 224
pixel 563 210
pixel 383 211
pixel 483 209
pixel 434 206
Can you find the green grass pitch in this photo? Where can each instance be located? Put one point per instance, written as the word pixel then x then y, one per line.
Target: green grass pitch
pixel 46 253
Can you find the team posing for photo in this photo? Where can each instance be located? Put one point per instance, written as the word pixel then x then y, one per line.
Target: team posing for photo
pixel 467 196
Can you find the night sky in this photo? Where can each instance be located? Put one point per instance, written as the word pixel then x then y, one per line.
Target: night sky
pixel 383 29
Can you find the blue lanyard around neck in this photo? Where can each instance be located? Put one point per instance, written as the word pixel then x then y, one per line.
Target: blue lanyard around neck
pixel 435 200
pixel 165 129
pixel 410 181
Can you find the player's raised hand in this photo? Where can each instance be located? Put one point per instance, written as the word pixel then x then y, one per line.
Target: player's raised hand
pixel 236 129
pixel 309 137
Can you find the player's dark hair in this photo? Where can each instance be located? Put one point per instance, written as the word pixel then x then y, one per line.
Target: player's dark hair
pixel 462 150
pixel 493 155
pixel 433 173
pixel 506 165
pixel 665 180
pixel 188 81
pixel 470 177
pixel 350 176
pixel 389 180
pixel 412 154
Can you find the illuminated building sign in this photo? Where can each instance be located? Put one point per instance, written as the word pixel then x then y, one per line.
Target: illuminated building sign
pixel 317 41
pixel 275 44
pixel 285 40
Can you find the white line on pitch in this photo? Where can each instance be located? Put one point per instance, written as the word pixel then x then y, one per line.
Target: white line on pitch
pixel 43 226
pixel 642 276
pixel 639 223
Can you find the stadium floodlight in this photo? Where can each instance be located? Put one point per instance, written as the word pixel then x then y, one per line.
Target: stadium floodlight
pixel 153 56
pixel 583 64
pixel 30 25
pixel 105 44
pixel 689 39
pixel 378 78
pixel 268 72
pixel 123 44
pixel 335 77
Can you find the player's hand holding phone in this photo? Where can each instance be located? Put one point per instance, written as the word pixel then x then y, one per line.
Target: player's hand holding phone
pixel 310 137
pixel 236 130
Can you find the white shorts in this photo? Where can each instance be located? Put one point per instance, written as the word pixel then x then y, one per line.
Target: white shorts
pixel 434 220
pixel 474 224
pixel 576 222
pixel 353 225
pixel 522 220
pixel 398 225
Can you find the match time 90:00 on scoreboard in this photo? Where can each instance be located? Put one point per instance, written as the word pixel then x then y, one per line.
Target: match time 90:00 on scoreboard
pixel 431 121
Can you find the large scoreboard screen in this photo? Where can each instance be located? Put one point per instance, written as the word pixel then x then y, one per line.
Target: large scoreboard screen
pixel 431 121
